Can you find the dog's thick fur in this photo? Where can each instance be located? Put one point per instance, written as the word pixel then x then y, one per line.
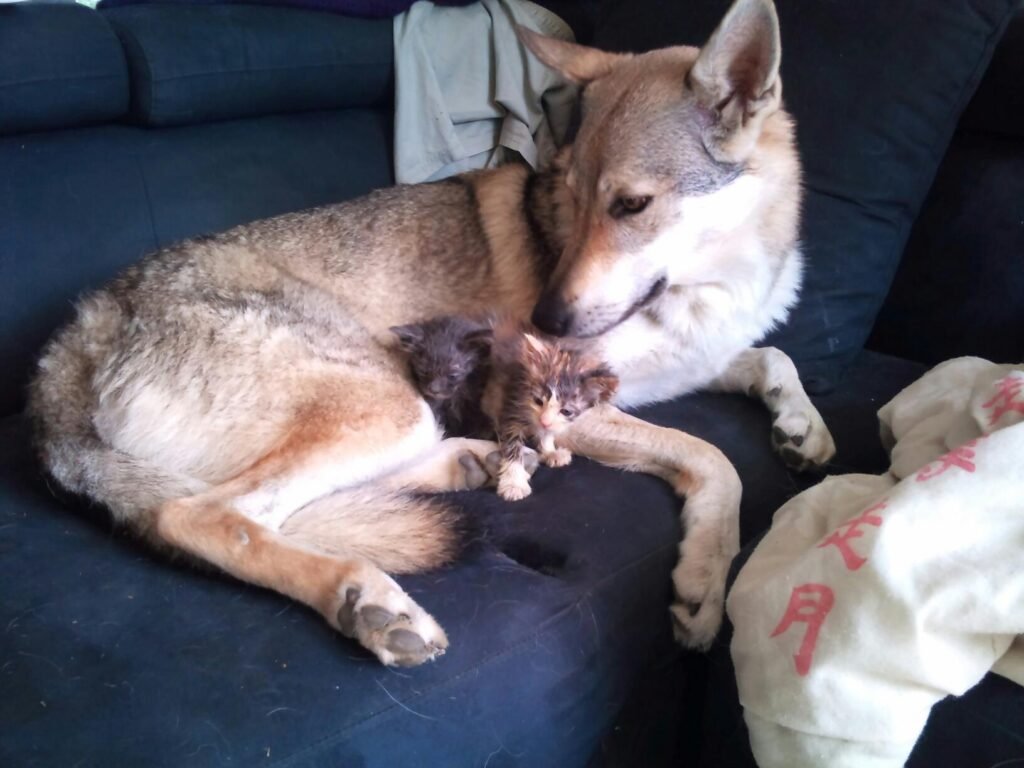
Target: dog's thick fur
pixel 237 396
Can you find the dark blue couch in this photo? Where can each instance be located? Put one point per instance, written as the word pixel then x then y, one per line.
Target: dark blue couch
pixel 125 130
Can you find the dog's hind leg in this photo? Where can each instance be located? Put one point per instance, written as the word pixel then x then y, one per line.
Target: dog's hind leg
pixel 710 516
pixel 243 526
pixel 457 464
pixel 798 431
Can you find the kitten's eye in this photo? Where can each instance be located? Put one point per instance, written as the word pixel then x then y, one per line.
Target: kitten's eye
pixel 566 413
pixel 627 205
pixel 537 400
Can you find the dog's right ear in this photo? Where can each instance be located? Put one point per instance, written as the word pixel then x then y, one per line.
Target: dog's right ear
pixel 576 63
pixel 736 78
pixel 409 336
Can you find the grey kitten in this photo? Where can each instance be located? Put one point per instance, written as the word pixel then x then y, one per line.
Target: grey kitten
pixel 450 362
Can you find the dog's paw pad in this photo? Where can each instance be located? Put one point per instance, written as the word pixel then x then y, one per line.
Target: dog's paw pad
pixel 402 634
pixel 802 439
pixel 475 474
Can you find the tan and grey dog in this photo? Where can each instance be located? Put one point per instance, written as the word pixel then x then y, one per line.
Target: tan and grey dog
pixel 236 397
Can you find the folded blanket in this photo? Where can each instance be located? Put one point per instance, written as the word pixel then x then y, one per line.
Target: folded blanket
pixel 467 93
pixel 873 597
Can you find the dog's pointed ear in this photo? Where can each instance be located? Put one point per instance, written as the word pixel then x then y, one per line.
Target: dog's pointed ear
pixel 736 78
pixel 409 336
pixel 576 63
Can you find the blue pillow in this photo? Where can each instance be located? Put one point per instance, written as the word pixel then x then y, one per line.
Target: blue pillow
pixel 59 66
pixel 199 63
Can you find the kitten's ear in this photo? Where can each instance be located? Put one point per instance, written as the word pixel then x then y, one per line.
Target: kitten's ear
pixel 409 336
pixel 600 384
pixel 534 344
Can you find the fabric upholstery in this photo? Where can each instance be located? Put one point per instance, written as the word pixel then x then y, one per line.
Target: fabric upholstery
pixel 958 288
pixel 59 66
pixel 554 611
pixel 76 206
pixel 192 64
pixel 876 89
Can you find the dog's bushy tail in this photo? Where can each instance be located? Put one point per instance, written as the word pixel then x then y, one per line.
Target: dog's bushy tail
pixel 397 532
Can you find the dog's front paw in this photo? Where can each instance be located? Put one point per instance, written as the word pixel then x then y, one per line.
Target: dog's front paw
pixel 801 438
pixel 514 483
pixel 559 457
pixel 699 583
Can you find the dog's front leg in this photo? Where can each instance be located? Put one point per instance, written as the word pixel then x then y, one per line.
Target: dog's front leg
pixel 696 470
pixel 798 431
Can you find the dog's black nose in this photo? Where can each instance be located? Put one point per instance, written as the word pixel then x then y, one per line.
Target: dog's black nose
pixel 552 315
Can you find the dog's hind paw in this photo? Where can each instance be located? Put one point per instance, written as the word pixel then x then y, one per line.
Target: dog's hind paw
pixel 389 624
pixel 530 462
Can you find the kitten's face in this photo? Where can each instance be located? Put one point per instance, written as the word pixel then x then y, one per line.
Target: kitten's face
pixel 443 354
pixel 561 384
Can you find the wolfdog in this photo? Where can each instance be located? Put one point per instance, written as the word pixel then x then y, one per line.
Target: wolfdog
pixel 239 398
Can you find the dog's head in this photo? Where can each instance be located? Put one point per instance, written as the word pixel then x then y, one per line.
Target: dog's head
pixel 659 165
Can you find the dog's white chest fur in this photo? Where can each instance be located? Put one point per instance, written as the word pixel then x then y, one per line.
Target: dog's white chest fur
pixel 690 335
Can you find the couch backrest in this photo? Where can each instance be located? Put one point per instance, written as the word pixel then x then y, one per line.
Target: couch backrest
pixel 122 132
pixel 959 289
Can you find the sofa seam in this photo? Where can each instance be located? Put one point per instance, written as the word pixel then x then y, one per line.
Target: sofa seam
pixel 59 79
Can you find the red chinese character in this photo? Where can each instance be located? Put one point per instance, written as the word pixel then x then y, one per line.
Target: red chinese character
pixel 1006 398
pixel 841 538
pixel 809 604
pixel 961 458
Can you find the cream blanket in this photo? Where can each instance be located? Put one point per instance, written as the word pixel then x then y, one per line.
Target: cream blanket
pixel 873 597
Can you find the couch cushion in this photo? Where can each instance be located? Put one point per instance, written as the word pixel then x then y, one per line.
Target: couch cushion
pixel 552 615
pixel 192 64
pixel 960 287
pixel 59 66
pixel 76 206
pixel 876 88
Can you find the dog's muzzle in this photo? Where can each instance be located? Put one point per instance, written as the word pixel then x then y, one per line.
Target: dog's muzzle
pixel 552 315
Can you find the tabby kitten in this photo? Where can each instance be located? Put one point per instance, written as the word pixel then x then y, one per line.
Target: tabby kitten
pixel 537 387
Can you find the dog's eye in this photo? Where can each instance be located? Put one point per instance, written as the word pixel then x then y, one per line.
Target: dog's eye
pixel 629 204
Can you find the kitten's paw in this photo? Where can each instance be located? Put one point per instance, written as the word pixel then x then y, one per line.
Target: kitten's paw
pixel 559 457
pixel 514 483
